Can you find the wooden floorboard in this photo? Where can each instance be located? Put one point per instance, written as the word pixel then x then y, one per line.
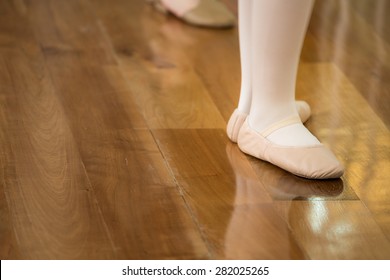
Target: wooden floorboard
pixel 346 227
pixel 53 209
pixel 124 164
pixel 173 95
pixel 113 142
pixel 356 48
pixel 357 135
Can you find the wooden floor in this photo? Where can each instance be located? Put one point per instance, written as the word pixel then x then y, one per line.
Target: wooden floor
pixel 112 138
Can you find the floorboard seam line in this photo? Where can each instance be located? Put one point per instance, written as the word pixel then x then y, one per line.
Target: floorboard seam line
pixel 181 192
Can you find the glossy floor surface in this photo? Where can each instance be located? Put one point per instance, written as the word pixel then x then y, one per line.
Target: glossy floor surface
pixel 113 144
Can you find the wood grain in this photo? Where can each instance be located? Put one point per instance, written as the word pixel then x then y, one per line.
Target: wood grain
pixel 53 210
pixel 113 142
pixel 159 64
pixel 69 27
pixel 125 166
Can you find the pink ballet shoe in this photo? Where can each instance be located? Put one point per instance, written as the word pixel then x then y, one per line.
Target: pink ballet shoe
pixel 237 119
pixel 207 13
pixel 312 162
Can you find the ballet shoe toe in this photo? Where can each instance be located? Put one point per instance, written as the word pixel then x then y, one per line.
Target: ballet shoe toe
pixel 315 162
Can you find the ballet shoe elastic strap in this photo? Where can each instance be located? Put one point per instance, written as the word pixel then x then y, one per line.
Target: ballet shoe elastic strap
pixel 288 121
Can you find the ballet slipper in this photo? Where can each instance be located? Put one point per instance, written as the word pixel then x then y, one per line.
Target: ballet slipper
pixel 234 124
pixel 207 13
pixel 237 119
pixel 303 110
pixel 312 162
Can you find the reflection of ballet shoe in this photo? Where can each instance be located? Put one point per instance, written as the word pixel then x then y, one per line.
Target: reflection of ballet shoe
pixel 278 183
pixel 237 119
pixel 303 189
pixel 207 13
pixel 249 189
pixel 282 185
pixel 313 162
pixel 238 161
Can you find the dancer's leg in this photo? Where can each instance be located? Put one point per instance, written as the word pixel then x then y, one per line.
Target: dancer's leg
pixel 244 29
pixel 278 30
pixel 273 130
pixel 245 39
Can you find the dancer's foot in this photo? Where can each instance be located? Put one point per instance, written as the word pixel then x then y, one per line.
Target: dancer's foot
pixel 237 119
pixel 204 13
pixel 313 160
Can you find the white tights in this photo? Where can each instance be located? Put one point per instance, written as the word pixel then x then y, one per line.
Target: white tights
pixel 271 35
